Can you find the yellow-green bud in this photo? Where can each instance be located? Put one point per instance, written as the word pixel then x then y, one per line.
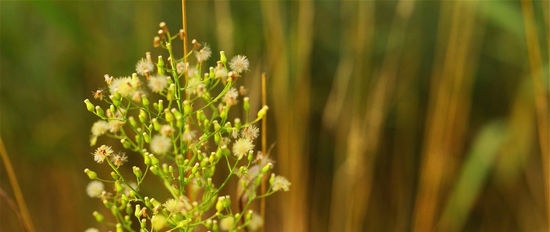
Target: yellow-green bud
pixel 137 211
pixel 125 143
pixel 223 59
pixel 142 116
pixel 267 167
pixel 158 222
pixel 99 111
pixel 146 137
pixel 168 116
pixel 171 94
pixel 114 175
pixel 187 109
pixel 262 112
pixel 91 174
pixel 98 217
pixel 132 121
pixel 160 66
pixel 89 105
pixel 119 227
pixel 156 124
pixel 115 99
pixel 137 171
pixel 145 100
pixel 246 104
pixel 219 204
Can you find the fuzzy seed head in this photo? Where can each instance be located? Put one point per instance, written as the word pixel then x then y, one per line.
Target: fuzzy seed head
pixel 160 144
pixel 143 67
pixel 95 188
pixel 241 147
pixel 101 153
pixel 239 63
pixel 158 83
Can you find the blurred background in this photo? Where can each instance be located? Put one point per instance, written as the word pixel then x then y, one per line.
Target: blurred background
pixel 387 115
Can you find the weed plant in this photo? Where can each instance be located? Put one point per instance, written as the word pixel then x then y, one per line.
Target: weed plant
pixel 173 117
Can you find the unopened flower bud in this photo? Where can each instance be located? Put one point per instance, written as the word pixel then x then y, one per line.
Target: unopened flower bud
pixel 160 66
pixel 89 105
pixel 223 58
pixel 99 111
pixel 91 174
pixel 137 171
pixel 98 216
pixel 262 112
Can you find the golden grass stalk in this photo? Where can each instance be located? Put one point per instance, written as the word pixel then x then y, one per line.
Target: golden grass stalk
pixel 22 206
pixel 447 111
pixel 541 102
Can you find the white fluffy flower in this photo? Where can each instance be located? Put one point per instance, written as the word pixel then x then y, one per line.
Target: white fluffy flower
pixel 100 127
pixel 241 147
pixel 160 144
pixel 280 183
pixel 144 66
pixel 158 83
pixel 95 188
pixel 239 64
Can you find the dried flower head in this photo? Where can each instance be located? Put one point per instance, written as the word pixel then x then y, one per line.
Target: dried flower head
pixel 250 132
pixel 203 54
pixel 239 63
pixel 230 97
pixel 102 153
pixel 119 159
pixel 144 67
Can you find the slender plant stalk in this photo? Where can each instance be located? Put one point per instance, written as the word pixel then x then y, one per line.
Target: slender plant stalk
pixel 16 189
pixel 264 145
pixel 184 25
pixel 541 103
pixel 184 22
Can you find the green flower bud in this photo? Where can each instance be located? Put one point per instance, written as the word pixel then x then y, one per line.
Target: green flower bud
pixel 145 100
pixel 160 66
pixel 156 124
pixel 160 106
pixel 267 167
pixel 146 159
pixel 223 59
pixel 211 73
pixel 137 211
pixel 171 94
pixel 114 175
pixel 91 174
pixel 132 121
pixel 98 217
pixel 146 137
pixel 137 172
pixel 168 116
pixel 99 111
pixel 158 222
pixel 262 112
pixel 142 116
pixel 119 227
pixel 219 204
pixel 246 104
pixel 115 99
pixel 89 105
pixel 187 109
pixel 155 169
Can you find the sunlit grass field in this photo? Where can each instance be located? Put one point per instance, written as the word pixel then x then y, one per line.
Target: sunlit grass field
pixel 385 115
